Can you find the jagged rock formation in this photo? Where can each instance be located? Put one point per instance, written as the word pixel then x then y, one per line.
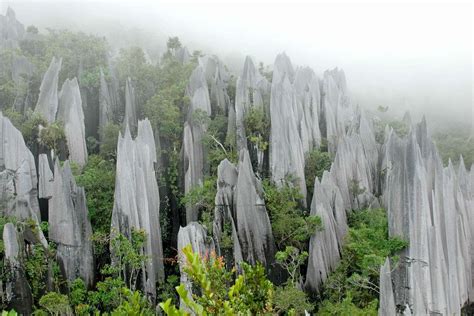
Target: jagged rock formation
pixel 286 147
pixel 387 302
pixel 308 103
pixel 47 104
pixel 11 30
pixel 130 118
pixel 137 200
pixel 325 245
pixel 69 226
pixel 70 113
pixel 195 235
pixel 252 90
pixel 217 78
pixel 18 292
pixel 18 180
pixel 224 212
pixel 240 201
pixel 253 224
pixel 431 207
pixel 194 130
pixel 336 109
pixel 182 55
pixel 45 177
pixel 22 70
pixel 105 104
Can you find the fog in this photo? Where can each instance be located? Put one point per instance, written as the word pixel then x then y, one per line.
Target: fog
pixel 405 56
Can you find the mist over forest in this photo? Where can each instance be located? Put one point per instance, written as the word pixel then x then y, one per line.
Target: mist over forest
pixel 236 158
pixel 415 57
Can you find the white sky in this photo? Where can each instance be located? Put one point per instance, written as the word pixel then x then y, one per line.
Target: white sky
pixel 404 55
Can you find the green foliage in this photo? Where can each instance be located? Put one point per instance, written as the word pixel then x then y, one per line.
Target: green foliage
pixel 133 304
pixel 55 304
pixel 81 54
pixel 257 127
pixel 98 180
pixel 316 163
pixel 291 260
pixel 291 300
pixel 453 143
pixel 399 127
pixel 251 293
pixel 167 290
pixel 108 143
pixel 132 63
pixel 27 124
pixel 164 113
pixel 107 296
pixel 53 136
pixel 128 255
pixel 9 313
pixel 347 307
pixel 203 198
pixel 354 283
pixel 291 225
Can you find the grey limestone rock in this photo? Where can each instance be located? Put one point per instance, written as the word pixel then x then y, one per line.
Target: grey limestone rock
pixel 387 302
pixel 11 30
pixel 105 104
pixel 70 113
pixel 45 178
pixel 69 226
pixel 252 222
pixel 286 147
pixel 130 118
pixel 18 292
pixel 18 178
pixel 47 104
pixel 137 200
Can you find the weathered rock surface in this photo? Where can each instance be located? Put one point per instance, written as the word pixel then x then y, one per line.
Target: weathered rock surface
pixel 45 177
pixel 336 108
pixel 11 30
pixel 137 200
pixel 252 90
pixel 252 222
pixel 71 115
pixel 130 118
pixel 224 212
pixel 387 302
pixel 286 147
pixel 18 179
pixel 195 235
pixel 194 155
pixel 21 71
pixel 323 246
pixel 69 226
pixel 47 104
pixel 18 292
pixel 429 206
pixel 217 78
pixel 105 104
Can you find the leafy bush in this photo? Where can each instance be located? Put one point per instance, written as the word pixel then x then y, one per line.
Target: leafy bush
pixel 316 163
pixel 354 283
pixel 291 225
pixel 257 127
pixel 203 197
pixel 55 304
pixel 291 300
pixel 251 293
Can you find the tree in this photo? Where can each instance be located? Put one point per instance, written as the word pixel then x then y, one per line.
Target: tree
pixel 250 293
pixel 291 225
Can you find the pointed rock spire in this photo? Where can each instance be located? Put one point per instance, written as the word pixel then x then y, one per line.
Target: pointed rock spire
pixel 47 104
pixel 71 114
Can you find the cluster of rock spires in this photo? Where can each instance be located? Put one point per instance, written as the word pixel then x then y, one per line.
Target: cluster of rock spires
pixel 428 205
pixel 431 207
pixel 137 199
